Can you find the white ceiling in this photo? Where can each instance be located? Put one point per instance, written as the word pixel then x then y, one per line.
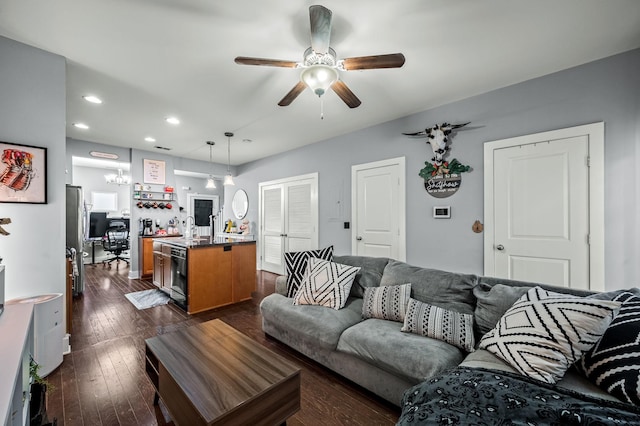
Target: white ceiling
pixel 151 59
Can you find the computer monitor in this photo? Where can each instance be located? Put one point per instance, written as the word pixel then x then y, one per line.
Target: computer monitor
pixel 98 223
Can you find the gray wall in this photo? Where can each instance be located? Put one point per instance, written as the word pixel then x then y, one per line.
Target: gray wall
pixel 607 90
pixel 33 112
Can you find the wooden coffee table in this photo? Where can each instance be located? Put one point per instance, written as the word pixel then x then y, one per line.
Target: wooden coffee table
pixel 211 374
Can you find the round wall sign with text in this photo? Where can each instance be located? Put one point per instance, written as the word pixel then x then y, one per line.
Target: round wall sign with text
pixel 443 186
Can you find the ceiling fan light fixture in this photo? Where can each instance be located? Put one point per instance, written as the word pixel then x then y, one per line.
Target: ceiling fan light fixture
pixel 319 78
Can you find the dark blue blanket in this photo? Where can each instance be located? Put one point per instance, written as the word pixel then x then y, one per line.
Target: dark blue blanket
pixel 477 396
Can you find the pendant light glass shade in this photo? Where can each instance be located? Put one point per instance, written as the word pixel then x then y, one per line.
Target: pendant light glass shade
pixel 228 179
pixel 211 184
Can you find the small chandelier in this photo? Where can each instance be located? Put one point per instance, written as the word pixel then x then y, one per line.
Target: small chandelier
pixel 228 179
pixel 119 179
pixel 211 184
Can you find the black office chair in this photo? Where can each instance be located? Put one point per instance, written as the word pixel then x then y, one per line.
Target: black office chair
pixel 116 241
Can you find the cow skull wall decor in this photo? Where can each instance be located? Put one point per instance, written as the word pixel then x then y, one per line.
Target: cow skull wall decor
pixel 446 172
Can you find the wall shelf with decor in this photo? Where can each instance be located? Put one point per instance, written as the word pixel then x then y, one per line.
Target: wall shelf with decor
pixel 150 197
pixel 153 195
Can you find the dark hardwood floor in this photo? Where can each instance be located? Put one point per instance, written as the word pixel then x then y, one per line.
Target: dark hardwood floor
pixel 103 382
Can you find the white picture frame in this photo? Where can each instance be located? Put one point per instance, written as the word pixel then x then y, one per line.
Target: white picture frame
pixel 153 171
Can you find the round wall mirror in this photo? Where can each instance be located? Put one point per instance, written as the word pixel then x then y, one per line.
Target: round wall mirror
pixel 240 204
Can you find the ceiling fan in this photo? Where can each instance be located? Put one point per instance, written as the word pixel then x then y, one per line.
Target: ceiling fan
pixel 320 68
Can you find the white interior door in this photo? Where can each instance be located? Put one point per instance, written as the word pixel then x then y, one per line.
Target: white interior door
pixel 289 219
pixel 540 226
pixel 378 209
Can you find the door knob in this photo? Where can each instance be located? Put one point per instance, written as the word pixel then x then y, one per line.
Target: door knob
pixel 359 238
pixel 500 247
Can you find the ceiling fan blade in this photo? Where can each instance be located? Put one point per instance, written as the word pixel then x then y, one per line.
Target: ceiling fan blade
pixel 393 60
pixel 244 60
pixel 293 93
pixel 320 18
pixel 346 94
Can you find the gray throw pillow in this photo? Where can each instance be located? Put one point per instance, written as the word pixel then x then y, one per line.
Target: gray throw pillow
pixel 386 302
pixel 370 273
pixel 448 290
pixel 493 302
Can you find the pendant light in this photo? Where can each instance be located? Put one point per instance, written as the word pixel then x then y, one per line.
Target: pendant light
pixel 228 179
pixel 211 184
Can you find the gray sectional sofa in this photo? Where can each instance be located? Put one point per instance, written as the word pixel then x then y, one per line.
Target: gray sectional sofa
pixel 374 353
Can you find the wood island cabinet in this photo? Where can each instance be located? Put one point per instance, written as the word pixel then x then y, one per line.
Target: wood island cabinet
pixel 220 275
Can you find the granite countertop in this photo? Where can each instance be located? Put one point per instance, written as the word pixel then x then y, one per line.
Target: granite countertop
pixel 203 241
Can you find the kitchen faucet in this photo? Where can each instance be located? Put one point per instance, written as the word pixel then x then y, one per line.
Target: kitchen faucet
pixel 189 230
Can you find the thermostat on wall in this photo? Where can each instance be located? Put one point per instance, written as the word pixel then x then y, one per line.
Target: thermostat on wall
pixel 442 212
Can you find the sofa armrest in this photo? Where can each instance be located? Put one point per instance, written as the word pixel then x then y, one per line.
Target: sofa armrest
pixel 281 285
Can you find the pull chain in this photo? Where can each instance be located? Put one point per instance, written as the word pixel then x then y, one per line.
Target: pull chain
pixel 321 109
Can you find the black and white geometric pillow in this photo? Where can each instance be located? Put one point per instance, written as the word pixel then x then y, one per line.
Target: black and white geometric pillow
pixel 432 321
pixel 613 363
pixel 386 302
pixel 295 263
pixel 544 332
pixel 326 284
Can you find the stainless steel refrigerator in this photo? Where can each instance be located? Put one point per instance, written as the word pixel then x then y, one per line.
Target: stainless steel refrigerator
pixel 76 221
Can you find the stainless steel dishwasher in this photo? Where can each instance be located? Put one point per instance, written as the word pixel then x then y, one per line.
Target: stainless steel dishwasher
pixel 179 276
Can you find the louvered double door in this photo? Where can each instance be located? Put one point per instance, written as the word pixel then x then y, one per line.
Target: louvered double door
pixel 288 219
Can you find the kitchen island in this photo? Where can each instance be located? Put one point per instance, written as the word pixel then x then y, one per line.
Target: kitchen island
pixel 205 273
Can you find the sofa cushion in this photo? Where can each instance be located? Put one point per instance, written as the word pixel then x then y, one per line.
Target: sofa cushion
pixel 492 303
pixel 447 290
pixel 545 332
pixel 295 263
pixel 312 323
pixel 386 302
pixel 439 323
pixel 572 380
pixel 370 274
pixel 325 284
pixel 407 355
pixel 614 362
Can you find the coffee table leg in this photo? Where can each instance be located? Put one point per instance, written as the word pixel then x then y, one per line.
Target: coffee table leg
pixel 156 398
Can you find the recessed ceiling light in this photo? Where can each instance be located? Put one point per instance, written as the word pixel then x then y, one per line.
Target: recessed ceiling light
pixel 81 126
pixel 92 99
pixel 150 139
pixel 172 120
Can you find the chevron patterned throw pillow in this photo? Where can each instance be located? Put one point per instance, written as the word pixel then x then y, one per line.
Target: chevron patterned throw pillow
pixel 614 362
pixel 544 332
pixel 295 263
pixel 326 284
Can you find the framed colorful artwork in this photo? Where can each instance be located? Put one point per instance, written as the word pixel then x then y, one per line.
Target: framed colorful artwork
pixel 23 174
